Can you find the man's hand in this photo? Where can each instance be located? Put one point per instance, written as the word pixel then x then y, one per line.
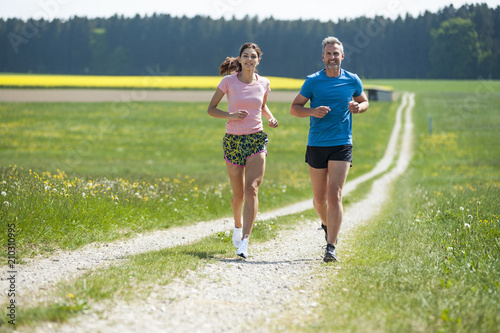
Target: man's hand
pixel 354 107
pixel 320 111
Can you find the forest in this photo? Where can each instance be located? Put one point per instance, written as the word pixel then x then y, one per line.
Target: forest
pixel 453 43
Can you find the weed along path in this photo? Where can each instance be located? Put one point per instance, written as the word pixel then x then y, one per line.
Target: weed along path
pixel 279 279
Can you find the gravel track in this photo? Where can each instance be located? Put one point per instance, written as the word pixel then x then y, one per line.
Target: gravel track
pixel 119 95
pixel 280 278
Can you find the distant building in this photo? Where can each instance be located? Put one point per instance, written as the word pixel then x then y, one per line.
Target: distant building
pixel 378 93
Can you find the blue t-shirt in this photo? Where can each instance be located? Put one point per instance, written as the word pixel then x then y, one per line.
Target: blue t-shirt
pixel 335 128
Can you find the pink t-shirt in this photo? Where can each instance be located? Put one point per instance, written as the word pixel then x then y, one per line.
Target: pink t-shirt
pixel 243 96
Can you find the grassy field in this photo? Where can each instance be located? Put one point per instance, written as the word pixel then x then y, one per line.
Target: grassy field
pixel 74 173
pixel 431 261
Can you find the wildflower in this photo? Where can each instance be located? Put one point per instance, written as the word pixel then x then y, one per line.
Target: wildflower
pixel 470 217
pixel 47 187
pixel 449 249
pixel 467 225
pixel 6 203
pixel 4 193
pixel 462 208
pixel 83 194
pixel 71 295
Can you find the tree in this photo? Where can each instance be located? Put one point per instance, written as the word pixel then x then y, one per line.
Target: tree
pixel 454 50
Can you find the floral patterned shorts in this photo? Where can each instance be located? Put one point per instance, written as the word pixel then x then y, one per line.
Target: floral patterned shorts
pixel 237 148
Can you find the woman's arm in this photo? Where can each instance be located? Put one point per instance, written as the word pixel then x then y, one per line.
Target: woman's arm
pixel 217 113
pixel 273 123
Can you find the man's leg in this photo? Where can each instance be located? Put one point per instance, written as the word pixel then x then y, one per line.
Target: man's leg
pixel 337 175
pixel 319 181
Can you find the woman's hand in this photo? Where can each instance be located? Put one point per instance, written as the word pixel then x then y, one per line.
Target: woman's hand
pixel 238 115
pixel 273 123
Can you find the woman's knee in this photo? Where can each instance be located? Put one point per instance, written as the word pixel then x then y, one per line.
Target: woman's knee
pixel 238 198
pixel 252 190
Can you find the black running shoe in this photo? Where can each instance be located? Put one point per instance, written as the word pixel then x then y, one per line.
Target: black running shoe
pixel 330 254
pixel 326 234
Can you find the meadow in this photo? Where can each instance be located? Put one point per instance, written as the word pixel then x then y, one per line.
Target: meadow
pixel 75 173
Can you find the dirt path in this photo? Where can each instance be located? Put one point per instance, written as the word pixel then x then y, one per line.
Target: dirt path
pixel 228 295
pixel 120 95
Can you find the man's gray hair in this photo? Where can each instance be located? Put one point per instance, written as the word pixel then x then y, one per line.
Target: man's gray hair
pixel 332 40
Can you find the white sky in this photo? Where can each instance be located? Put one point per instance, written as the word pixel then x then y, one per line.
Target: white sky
pixel 287 10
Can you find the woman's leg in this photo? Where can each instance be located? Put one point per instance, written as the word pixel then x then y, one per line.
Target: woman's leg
pixel 237 179
pixel 254 173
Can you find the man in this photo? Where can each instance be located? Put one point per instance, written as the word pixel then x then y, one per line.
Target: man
pixel 335 95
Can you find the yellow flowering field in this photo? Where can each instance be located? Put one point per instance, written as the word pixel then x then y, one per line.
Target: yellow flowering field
pixel 136 82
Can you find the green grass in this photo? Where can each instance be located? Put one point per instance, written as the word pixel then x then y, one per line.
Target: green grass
pixel 431 261
pixel 75 173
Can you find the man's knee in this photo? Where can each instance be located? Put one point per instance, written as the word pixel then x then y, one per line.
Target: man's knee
pixel 319 200
pixel 334 197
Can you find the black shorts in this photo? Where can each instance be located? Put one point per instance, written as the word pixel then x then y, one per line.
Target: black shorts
pixel 318 157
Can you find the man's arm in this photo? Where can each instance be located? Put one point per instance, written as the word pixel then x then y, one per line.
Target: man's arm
pixel 360 104
pixel 298 110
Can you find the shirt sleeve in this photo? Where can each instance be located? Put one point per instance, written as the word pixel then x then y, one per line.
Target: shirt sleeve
pixel 306 89
pixel 359 87
pixel 224 84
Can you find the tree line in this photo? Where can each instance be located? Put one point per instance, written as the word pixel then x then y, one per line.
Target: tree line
pixel 453 43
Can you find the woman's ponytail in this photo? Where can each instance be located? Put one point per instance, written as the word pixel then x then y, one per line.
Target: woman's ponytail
pixel 229 66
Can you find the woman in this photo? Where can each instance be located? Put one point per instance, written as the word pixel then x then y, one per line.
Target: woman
pixel 245 142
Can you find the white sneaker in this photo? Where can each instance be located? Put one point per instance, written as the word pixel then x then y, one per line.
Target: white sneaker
pixel 237 235
pixel 243 249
